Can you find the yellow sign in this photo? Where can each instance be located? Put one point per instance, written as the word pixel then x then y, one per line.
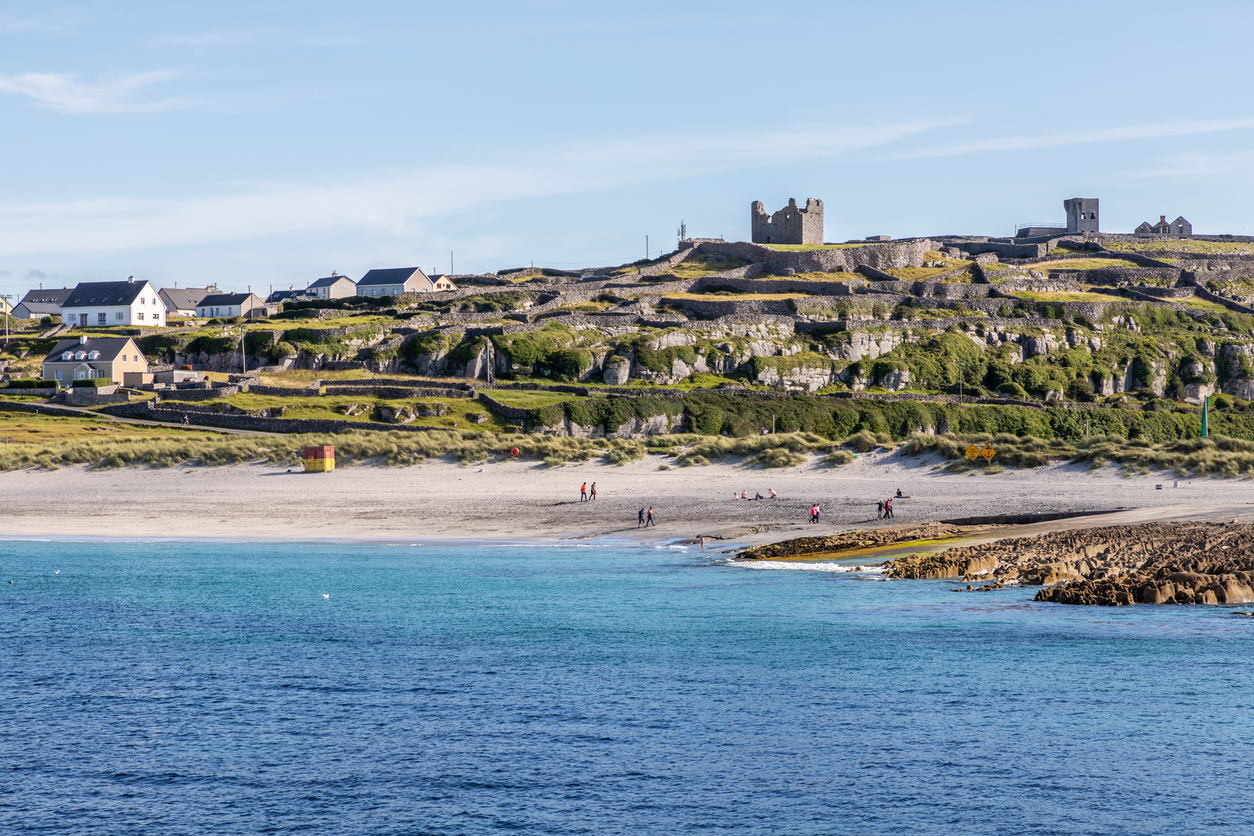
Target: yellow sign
pixel 973 452
pixel 988 452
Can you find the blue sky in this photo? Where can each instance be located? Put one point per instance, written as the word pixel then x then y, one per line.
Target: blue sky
pixel 268 143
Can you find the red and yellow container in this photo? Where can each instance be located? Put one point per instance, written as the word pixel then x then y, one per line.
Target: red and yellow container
pixel 319 459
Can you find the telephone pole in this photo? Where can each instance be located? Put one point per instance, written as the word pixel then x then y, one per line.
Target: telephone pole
pixel 6 297
pixel 646 248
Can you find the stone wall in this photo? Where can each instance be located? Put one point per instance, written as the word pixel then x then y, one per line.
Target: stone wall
pixel 50 392
pixel 398 392
pixel 283 391
pixel 848 259
pixel 39 408
pixel 88 397
pixel 249 422
pixel 197 394
pixel 778 285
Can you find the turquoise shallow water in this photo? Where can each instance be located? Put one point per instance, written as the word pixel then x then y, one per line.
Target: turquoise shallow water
pixel 190 688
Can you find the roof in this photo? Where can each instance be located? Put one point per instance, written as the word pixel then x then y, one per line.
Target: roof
pixel 103 293
pixel 224 300
pixel 330 280
pixel 183 298
pixel 394 275
pixel 51 296
pixel 109 348
pixel 284 295
pixel 41 308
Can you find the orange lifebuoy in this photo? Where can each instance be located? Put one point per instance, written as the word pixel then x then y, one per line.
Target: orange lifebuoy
pixel 513 451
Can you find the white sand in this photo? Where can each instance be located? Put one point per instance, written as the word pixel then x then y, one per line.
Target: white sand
pixel 524 501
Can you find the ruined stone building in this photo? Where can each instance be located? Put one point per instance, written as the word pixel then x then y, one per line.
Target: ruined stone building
pixel 1179 228
pixel 789 225
pixel 1081 214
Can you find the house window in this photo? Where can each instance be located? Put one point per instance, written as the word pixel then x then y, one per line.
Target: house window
pixel 60 375
pixel 140 315
pixel 118 316
pixel 102 319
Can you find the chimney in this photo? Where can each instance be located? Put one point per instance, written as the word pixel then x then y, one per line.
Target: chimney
pixel 130 279
pixel 82 340
pixel 1162 219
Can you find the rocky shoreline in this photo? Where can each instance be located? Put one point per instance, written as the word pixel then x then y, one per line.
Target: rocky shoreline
pixel 1152 563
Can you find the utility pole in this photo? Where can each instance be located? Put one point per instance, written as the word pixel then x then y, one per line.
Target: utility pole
pixel 450 262
pixel 6 297
pixel 646 248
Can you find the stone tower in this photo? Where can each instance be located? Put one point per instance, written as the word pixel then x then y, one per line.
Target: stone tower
pixel 789 225
pixel 1081 214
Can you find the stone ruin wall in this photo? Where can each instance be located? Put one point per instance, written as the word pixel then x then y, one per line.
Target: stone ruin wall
pixel 790 225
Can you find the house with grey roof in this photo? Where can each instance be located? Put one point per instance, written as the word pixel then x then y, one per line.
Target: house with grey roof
pixel 332 287
pixel 182 301
pixel 289 295
pixel 114 303
pixel 40 303
pixel 231 304
pixel 85 358
pixel 397 280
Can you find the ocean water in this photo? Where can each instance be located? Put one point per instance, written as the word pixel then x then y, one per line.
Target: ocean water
pixel 192 688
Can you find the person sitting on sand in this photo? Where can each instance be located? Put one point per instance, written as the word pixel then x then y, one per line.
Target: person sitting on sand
pixel 744 494
pixel 757 495
pixel 899 492
pixel 771 491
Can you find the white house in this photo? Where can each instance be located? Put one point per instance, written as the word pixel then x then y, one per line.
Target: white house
pixel 114 303
pixel 398 280
pixel 332 287
pixel 230 304
pixel 182 301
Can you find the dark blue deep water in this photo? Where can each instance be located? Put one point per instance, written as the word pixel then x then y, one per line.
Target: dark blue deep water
pixel 190 688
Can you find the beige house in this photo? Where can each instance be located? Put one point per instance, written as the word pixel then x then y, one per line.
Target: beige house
pixel 86 357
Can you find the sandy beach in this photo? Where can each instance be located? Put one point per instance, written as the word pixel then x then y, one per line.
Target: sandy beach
pixel 527 502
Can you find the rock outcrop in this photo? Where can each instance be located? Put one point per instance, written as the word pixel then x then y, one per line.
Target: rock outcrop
pixel 1180 563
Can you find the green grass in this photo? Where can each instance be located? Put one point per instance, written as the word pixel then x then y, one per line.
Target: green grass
pixel 727 296
pixel 1080 264
pixel 1197 304
pixel 819 276
pixel 691 268
pixel 1185 245
pixel 1065 296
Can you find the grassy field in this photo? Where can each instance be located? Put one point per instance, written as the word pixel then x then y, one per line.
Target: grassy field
pixel 326 407
pixel 693 269
pixel 1184 245
pixel 1197 304
pixel 1080 264
pixel 727 296
pixel 34 429
pixel 818 276
pixel 1063 296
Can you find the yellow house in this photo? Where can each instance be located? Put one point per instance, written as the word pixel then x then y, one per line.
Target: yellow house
pixel 86 357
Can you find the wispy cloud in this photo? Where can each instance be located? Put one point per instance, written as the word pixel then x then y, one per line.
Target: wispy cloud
pixel 12 24
pixel 63 92
pixel 1056 140
pixel 400 202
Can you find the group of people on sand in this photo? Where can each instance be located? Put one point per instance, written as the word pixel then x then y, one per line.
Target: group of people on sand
pixel 815 511
pixel 884 510
pixel 646 520
pixel 583 492
pixel 758 495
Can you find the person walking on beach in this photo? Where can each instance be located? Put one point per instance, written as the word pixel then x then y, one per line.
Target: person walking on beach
pixel 814 513
pixel 594 492
pixel 701 539
pixel 649 521
pixel 583 492
pixel 640 522
pixel 888 508
pixel 879 510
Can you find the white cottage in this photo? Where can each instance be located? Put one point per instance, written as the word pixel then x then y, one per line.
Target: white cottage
pixel 114 303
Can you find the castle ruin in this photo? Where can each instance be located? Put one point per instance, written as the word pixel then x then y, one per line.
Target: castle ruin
pixel 1081 214
pixel 789 225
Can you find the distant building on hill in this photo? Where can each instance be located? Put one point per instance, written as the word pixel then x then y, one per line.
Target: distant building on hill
pixel 790 225
pixel 182 301
pixel 1081 215
pixel 397 280
pixel 1179 228
pixel 289 295
pixel 40 303
pixel 231 305
pixel 332 287
pixel 114 303
pixel 87 358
